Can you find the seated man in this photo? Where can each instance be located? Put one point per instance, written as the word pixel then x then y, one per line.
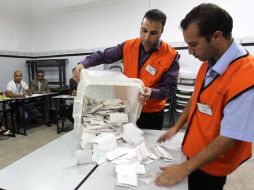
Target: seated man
pixel 17 88
pixel 73 84
pixel 39 85
pixel 73 89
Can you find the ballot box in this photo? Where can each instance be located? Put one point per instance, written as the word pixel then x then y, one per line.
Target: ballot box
pixel 106 85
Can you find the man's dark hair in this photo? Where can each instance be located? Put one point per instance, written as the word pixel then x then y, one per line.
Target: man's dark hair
pixel 156 15
pixel 40 71
pixel 209 19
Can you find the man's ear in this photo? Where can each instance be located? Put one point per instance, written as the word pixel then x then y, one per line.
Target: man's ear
pixel 217 35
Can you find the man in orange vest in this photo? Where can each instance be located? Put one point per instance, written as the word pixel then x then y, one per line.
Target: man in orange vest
pixel 149 59
pixel 220 112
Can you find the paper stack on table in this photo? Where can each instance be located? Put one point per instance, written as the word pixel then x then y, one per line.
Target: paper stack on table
pixel 126 174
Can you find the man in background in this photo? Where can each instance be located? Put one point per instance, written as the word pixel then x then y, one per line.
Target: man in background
pixel 73 85
pixel 148 58
pixel 39 85
pixel 73 91
pixel 17 88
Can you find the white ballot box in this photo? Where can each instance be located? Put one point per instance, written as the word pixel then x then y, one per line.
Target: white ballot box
pixel 107 85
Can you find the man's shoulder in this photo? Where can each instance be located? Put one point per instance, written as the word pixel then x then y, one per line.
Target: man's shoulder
pixel 34 81
pixel 10 85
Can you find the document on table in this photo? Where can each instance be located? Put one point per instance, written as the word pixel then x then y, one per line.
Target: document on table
pixel 116 153
pixel 128 179
pixel 133 168
pixel 163 153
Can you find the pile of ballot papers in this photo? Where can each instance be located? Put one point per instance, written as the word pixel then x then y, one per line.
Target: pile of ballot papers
pixel 101 115
pixel 108 136
pixel 105 113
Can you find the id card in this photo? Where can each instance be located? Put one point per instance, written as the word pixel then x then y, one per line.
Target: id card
pixel 150 69
pixel 204 108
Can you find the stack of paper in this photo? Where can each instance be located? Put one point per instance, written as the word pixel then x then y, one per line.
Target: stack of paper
pixel 127 174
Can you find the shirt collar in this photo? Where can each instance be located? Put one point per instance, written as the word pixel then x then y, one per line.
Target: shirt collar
pixel 234 51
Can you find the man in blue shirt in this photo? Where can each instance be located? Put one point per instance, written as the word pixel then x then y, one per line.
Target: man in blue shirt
pixel 207 30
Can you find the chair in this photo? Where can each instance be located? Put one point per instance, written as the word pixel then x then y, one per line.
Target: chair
pixel 185 88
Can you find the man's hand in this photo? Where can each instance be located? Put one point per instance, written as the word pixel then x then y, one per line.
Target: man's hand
pixel 143 97
pixel 168 134
pixel 76 72
pixel 172 175
pixel 19 96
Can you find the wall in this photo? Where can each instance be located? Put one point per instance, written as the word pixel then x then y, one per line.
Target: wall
pixel 107 23
pixel 35 25
pixel 101 24
pixel 15 25
pixel 42 27
pixel 8 66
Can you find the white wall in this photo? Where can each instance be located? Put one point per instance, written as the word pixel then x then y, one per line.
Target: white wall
pixel 107 23
pixel 240 10
pixel 40 26
pixel 15 25
pixel 110 22
pixel 8 66
pixel 36 25
pixel 88 26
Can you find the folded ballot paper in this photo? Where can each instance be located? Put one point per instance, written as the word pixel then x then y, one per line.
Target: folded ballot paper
pixel 127 174
pixel 106 141
pixel 116 153
pixel 132 168
pixel 132 134
pixel 128 179
pixel 164 154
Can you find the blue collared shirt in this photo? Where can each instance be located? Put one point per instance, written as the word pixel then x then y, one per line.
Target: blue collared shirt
pixel 238 119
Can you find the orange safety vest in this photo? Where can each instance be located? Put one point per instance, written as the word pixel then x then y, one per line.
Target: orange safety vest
pixel 204 128
pixel 160 60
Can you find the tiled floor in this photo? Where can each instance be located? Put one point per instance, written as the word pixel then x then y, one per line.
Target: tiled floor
pixel 12 149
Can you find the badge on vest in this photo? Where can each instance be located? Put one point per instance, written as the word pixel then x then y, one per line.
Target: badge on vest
pixel 206 109
pixel 150 69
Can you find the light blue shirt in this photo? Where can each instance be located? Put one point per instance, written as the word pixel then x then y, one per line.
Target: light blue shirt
pixel 238 120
